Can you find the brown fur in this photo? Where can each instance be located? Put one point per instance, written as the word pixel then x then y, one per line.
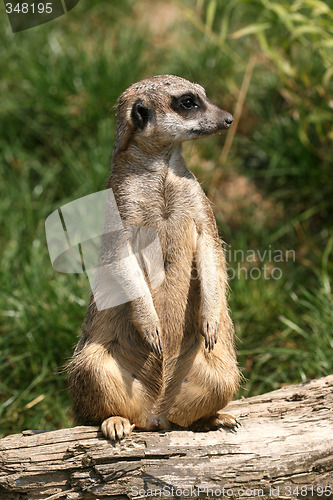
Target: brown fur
pixel 118 369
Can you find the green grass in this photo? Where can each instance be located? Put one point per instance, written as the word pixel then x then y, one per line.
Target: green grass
pixel 59 83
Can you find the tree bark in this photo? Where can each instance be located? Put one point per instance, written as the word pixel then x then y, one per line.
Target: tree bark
pixel 284 449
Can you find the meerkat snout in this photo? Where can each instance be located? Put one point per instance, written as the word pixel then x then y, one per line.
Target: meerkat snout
pixel 228 120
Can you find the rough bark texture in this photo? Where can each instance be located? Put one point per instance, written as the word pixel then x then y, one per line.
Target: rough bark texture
pixel 283 449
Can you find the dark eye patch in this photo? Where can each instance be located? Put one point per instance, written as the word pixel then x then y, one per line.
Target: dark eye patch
pixel 187 104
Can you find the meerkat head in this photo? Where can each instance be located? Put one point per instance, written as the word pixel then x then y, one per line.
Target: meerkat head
pixel 163 110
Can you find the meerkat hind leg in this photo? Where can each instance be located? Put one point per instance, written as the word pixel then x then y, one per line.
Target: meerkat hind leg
pixel 117 428
pixel 215 422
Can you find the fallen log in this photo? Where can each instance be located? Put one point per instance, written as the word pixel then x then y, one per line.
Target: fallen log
pixel 284 449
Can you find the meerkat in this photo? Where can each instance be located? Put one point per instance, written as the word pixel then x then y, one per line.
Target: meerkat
pixel 167 358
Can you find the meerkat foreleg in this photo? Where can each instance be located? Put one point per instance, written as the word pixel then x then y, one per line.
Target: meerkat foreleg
pixel 119 265
pixel 207 261
pixel 144 316
pixel 146 322
pixel 143 313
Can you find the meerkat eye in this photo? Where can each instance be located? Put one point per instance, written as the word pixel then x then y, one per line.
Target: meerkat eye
pixel 188 103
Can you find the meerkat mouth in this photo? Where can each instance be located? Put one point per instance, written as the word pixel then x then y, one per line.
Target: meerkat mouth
pixel 204 133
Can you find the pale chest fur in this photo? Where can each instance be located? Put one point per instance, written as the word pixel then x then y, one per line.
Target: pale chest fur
pixel 170 204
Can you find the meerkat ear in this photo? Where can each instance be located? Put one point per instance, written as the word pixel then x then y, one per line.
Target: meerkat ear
pixel 141 114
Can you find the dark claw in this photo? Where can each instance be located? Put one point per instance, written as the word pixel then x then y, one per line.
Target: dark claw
pixel 159 346
pixel 238 424
pixel 216 330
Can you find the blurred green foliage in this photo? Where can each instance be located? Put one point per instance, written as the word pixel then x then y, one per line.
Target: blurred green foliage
pixel 273 190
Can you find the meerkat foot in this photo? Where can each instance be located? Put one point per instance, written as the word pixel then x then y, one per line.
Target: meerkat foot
pixel 215 422
pixel 116 428
pixel 228 421
pixel 209 332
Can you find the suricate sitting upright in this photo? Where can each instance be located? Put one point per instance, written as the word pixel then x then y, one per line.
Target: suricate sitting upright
pixel 167 357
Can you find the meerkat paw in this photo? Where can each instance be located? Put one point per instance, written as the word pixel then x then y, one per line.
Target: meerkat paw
pixel 117 428
pixel 146 322
pixel 209 332
pixel 153 338
pixel 215 422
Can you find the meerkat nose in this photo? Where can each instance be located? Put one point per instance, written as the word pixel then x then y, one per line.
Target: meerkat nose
pixel 228 120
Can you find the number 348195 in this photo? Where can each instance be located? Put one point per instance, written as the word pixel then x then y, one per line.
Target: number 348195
pixel 29 8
